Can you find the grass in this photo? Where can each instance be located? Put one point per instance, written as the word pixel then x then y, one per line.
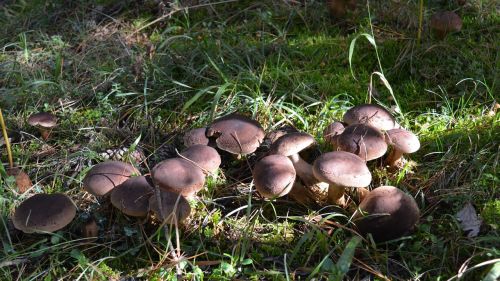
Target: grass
pixel 114 78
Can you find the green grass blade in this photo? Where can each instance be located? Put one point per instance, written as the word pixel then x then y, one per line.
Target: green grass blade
pixel 345 259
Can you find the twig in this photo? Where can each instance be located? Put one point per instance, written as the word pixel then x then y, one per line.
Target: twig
pixel 6 138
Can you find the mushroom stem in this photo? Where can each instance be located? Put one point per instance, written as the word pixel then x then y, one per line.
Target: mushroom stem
pixel 45 133
pixel 362 193
pixel 301 194
pixel 303 169
pixel 394 157
pixel 336 194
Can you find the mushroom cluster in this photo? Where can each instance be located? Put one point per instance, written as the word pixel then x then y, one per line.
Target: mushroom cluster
pixel 366 133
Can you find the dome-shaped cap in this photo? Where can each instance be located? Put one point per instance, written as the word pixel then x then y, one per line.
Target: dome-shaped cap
pixel 292 143
pixel 105 176
pixel 132 196
pixel 370 114
pixel 387 213
pixel 44 213
pixel 43 119
pixel 195 136
pixel 236 134
pixel 178 175
pixel 365 141
pixel 343 169
pixel 273 176
pixel 175 206
pixel 332 132
pixel 403 140
pixel 445 22
pixel 204 156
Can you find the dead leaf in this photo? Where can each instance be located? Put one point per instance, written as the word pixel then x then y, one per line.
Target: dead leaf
pixel 469 221
pixel 23 181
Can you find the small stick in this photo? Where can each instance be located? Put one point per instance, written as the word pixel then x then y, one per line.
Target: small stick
pixel 6 138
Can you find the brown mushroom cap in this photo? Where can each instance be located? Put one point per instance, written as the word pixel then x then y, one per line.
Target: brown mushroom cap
pixel 365 141
pixel 273 176
pixel 332 132
pixel 445 22
pixel 195 136
pixel 370 114
pixel 236 134
pixel 178 175
pixel 175 207
pixel 43 119
pixel 204 156
pixel 403 140
pixel 44 213
pixel 390 213
pixel 132 196
pixel 343 169
pixel 105 176
pixel 292 143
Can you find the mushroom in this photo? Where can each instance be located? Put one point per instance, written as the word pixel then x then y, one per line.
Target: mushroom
pixel 387 213
pixel 341 169
pixel 402 142
pixel 445 22
pixel 178 175
pixel 236 134
pixel 174 207
pixel 44 213
pixel 339 8
pixel 363 140
pixel 90 229
pixel 23 181
pixel 206 157
pixel 105 176
pixel 290 145
pixel 195 136
pixel 273 176
pixel 332 132
pixel 44 121
pixel 132 196
pixel 371 114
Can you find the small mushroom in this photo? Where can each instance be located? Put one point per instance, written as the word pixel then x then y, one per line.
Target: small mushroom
pixel 339 8
pixel 236 134
pixel 132 196
pixel 44 213
pixel 90 229
pixel 105 176
pixel 332 132
pixel 402 142
pixel 274 176
pixel 44 121
pixel 178 175
pixel 195 136
pixel 363 140
pixel 206 157
pixel 387 213
pixel 174 208
pixel 341 169
pixel 445 22
pixel 371 114
pixel 23 181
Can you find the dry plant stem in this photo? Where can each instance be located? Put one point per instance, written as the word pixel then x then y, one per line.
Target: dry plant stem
pixel 420 21
pixel 6 138
pixel 393 158
pixel 336 195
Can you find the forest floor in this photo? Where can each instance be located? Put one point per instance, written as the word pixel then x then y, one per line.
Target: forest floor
pixel 138 74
